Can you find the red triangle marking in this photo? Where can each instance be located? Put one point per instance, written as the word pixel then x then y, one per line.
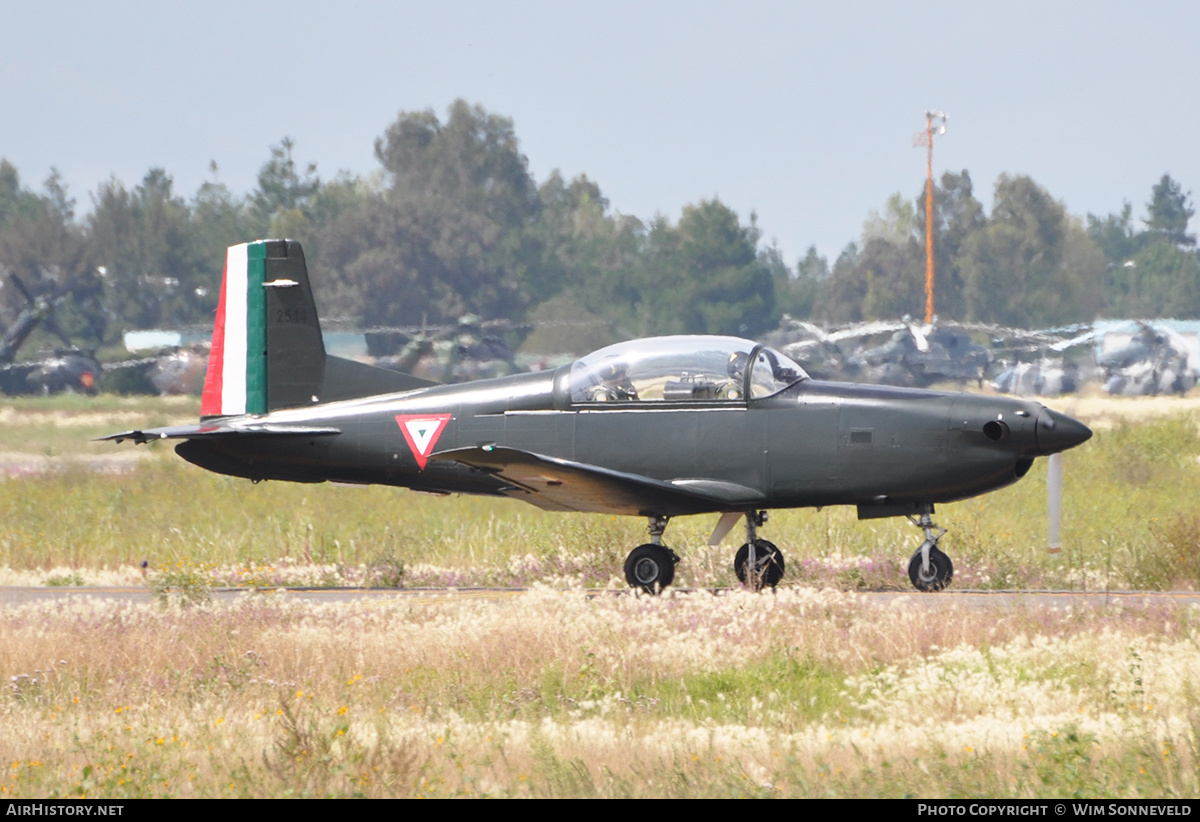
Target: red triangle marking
pixel 421 432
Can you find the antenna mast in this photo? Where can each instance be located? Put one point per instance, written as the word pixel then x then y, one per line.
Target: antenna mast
pixel 925 138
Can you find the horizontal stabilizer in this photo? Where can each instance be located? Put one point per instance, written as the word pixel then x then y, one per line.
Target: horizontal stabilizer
pixel 562 485
pixel 220 431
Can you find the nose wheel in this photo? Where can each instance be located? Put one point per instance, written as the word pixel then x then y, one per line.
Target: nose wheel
pixel 930 569
pixel 934 578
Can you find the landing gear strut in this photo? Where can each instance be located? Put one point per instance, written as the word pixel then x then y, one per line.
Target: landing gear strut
pixel 651 567
pixel 929 569
pixel 758 563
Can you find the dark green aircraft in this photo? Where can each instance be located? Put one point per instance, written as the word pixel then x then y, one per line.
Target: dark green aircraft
pixel 658 428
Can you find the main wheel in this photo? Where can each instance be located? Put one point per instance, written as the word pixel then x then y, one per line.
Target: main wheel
pixel 941 569
pixel 650 567
pixel 768 561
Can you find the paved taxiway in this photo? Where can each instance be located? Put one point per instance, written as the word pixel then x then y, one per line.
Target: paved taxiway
pixel 970 599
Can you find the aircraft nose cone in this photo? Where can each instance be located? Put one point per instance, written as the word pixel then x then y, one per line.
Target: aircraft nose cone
pixel 1057 432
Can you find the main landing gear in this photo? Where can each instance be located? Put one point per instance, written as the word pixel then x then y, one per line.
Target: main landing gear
pixel 929 569
pixel 758 563
pixel 651 567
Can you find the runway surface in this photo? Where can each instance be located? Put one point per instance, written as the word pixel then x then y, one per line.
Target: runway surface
pixel 11 596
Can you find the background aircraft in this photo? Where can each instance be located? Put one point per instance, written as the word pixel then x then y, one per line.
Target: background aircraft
pixel 659 427
pixel 1126 358
pixel 64 369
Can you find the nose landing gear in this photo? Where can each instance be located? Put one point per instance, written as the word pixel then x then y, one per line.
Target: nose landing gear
pixel 929 569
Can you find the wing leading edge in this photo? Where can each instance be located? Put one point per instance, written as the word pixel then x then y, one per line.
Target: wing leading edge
pixel 555 484
pixel 220 431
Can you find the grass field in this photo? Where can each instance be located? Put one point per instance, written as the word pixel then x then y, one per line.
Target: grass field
pixel 800 693
pixel 806 692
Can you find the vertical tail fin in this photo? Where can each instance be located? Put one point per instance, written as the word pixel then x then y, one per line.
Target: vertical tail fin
pixel 267 348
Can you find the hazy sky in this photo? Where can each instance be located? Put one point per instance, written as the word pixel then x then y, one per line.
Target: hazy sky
pixel 801 112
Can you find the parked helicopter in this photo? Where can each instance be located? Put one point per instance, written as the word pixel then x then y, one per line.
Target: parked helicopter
pixel 1154 358
pixel 63 369
pixel 658 428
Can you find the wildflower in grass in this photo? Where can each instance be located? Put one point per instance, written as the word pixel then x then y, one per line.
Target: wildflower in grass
pixel 996 681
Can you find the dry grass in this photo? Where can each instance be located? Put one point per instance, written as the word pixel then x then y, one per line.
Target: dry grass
pixel 553 694
pixel 808 692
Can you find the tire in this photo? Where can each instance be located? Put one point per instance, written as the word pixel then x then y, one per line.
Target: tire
pixel 941 570
pixel 769 560
pixel 650 567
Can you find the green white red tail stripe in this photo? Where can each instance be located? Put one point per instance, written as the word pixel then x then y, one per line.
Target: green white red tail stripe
pixel 236 381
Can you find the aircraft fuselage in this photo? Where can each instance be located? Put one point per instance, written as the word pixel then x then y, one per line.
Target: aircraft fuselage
pixel 813 444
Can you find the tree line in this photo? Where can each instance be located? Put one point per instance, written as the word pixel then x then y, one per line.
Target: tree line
pixel 452 222
pixel 1027 263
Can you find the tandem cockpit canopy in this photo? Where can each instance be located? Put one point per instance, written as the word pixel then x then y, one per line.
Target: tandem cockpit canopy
pixel 682 369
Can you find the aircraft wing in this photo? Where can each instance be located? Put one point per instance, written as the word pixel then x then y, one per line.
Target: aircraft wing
pixel 220 431
pixel 563 485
